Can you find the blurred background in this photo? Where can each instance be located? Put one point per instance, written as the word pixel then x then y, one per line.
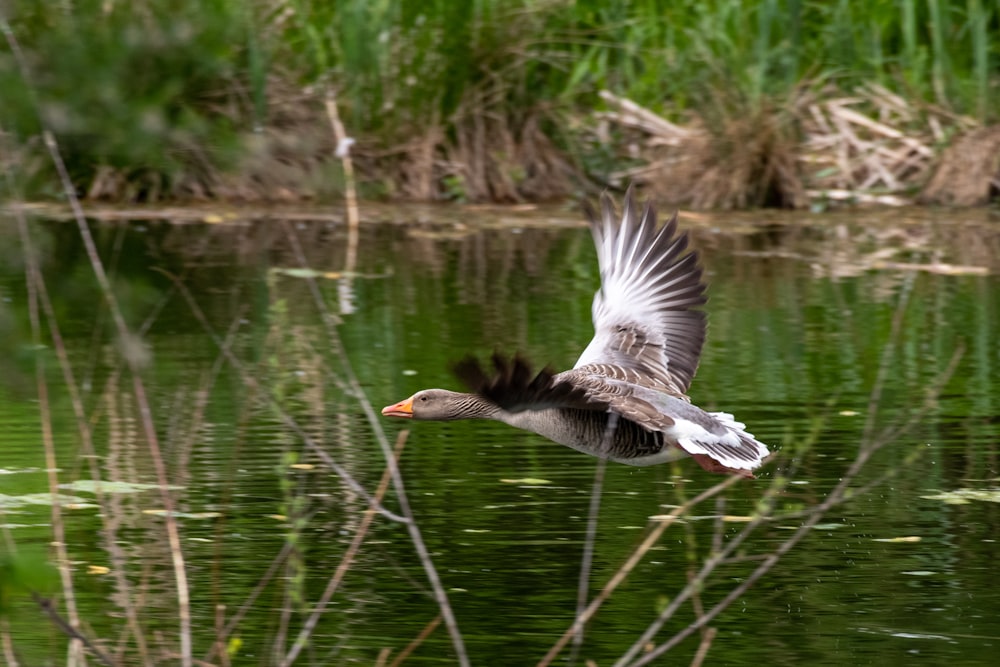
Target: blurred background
pixel 722 103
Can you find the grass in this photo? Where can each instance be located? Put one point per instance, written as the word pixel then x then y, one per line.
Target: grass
pixel 480 100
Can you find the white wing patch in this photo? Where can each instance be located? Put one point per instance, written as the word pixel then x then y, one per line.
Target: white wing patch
pixel 734 449
pixel 645 313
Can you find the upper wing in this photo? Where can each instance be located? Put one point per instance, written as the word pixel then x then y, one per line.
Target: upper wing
pixel 644 322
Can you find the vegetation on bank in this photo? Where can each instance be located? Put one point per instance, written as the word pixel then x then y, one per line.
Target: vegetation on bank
pixel 720 103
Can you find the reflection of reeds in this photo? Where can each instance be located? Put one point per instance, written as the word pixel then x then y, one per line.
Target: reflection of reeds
pixel 226 627
pixel 345 563
pixel 395 475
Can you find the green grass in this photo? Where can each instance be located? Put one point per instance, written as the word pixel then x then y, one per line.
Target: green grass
pixel 162 94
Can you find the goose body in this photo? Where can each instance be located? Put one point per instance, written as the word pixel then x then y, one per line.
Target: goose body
pixel 625 399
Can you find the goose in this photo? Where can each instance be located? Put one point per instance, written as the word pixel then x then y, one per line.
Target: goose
pixel 625 399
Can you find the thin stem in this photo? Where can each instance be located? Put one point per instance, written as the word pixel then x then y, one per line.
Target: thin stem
pixel 696 583
pixel 286 418
pixel 587 561
pixel 8 646
pixel 840 493
pixel 345 563
pixel 417 641
pixel 51 465
pixel 637 555
pixel 875 397
pixel 706 643
pixel 46 606
pixel 142 401
pixel 397 478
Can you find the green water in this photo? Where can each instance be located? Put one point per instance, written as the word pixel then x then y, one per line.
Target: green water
pixel 801 318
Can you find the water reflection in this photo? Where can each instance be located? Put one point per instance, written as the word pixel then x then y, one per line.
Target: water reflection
pixel 801 314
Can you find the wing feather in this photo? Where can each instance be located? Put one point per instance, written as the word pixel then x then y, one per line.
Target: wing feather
pixel 645 312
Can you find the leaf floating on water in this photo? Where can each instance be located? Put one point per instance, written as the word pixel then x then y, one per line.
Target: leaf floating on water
pixel 15 502
pixel 849 413
pixel 183 515
pixel 895 540
pixel 477 530
pixel 729 518
pixel 308 273
pixel 277 517
pixel 98 569
pixel 95 486
pixel 303 466
pixel 533 481
pixel 919 635
pixel 919 573
pixel 965 496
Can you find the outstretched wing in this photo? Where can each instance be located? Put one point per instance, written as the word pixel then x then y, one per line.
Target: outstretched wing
pixel 646 328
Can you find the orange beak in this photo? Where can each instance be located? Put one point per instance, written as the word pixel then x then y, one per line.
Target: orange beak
pixel 402 409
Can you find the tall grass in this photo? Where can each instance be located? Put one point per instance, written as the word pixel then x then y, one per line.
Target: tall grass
pixel 152 98
pixel 143 96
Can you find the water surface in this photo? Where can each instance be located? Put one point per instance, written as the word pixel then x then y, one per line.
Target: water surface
pixel 801 318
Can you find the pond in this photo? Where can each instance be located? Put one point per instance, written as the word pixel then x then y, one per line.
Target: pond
pixel 258 340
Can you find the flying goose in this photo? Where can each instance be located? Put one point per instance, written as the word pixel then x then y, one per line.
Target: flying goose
pixel 624 400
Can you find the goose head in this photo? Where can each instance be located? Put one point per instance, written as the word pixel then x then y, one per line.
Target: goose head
pixel 441 405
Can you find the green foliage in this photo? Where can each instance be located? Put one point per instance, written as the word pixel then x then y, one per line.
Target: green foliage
pixel 157 91
pixel 23 573
pixel 405 65
pixel 140 88
pixel 401 65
